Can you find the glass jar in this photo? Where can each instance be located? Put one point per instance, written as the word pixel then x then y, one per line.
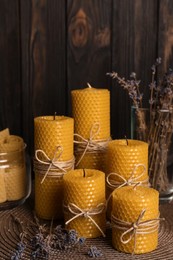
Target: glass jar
pixel 139 123
pixel 15 178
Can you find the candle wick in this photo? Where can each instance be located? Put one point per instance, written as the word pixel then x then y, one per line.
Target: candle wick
pixel 89 85
pixel 126 140
pixel 54 116
pixel 84 173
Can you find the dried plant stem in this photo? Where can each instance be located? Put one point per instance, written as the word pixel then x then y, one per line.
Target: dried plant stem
pixel 158 150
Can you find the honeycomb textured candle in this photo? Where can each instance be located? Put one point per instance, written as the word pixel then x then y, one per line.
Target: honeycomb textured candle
pixel 128 202
pixel 90 108
pixel 86 192
pixel 51 132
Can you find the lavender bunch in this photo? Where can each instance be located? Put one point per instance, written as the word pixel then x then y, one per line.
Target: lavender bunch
pixel 64 239
pixel 158 131
pixel 131 86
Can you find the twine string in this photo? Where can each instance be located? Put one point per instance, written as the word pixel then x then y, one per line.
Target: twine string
pixel 62 166
pixel 126 182
pixel 131 181
pixel 83 145
pixel 87 213
pixel 134 228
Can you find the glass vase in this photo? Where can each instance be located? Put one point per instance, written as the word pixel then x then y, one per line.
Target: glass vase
pixel 160 162
pixel 139 123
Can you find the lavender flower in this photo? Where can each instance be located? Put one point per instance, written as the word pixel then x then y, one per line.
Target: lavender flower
pixel 94 252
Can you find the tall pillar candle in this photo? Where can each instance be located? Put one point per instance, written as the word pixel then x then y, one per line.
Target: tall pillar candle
pixel 84 202
pixel 135 219
pixel 127 163
pixel 91 112
pixel 50 133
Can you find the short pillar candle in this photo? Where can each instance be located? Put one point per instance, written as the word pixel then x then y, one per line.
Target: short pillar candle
pixel 135 219
pixel 84 202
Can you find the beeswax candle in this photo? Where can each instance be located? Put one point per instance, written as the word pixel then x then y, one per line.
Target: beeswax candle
pixel 123 156
pixel 51 132
pixel 89 106
pixel 84 202
pixel 132 206
pixel 91 112
pixel 129 159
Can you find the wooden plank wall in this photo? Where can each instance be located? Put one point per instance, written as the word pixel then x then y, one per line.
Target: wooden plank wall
pixel 48 48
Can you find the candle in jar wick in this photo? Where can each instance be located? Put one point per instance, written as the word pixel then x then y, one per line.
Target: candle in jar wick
pixel 84 173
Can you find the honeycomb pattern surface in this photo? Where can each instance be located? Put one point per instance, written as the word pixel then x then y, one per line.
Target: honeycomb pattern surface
pixel 122 158
pixel 90 106
pixel 50 132
pixel 86 192
pixel 128 202
pixel 95 160
pixel 48 197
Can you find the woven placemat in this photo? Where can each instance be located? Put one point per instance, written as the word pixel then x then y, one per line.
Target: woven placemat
pixel 9 237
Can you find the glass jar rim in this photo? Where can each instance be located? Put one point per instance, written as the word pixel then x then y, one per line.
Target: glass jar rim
pixel 16 151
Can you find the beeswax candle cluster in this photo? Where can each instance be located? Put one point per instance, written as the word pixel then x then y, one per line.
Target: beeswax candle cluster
pixel 132 206
pixel 127 164
pixel 79 195
pixel 53 139
pixel 13 179
pixel 91 112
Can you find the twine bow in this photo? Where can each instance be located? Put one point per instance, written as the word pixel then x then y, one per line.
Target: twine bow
pixel 86 213
pixel 126 182
pixel 131 181
pixel 62 166
pixel 90 145
pixel 138 227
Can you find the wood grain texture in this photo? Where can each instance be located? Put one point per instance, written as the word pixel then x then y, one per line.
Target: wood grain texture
pixel 165 49
pixel 44 61
pixel 10 95
pixel 48 48
pixel 134 49
pixel 88 45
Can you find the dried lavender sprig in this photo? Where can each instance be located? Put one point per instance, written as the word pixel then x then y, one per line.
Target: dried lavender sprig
pixel 132 87
pixel 94 252
pixel 63 239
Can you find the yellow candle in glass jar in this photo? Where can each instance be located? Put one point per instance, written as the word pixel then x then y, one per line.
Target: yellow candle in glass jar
pixel 135 219
pixel 84 202
pixel 51 132
pixel 91 112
